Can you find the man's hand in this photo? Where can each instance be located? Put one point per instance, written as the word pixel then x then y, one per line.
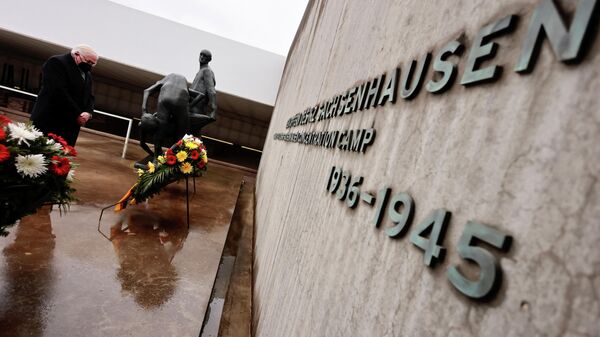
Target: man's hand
pixel 83 118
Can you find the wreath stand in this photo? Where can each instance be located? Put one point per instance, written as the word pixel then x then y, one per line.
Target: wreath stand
pixel 187 206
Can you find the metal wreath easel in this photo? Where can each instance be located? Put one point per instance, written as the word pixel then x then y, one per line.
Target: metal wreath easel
pixel 187 206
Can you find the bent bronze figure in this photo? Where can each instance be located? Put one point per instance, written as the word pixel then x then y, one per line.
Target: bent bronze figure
pixel 171 121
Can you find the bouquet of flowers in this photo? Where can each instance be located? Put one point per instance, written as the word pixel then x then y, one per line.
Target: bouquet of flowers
pixel 34 170
pixel 187 158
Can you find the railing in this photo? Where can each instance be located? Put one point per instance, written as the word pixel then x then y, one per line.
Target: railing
pixel 220 141
pixel 129 120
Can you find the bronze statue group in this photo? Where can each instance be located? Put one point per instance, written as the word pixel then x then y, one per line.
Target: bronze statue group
pixel 180 110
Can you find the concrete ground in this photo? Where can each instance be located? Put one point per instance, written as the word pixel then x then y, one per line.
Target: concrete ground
pixel 60 277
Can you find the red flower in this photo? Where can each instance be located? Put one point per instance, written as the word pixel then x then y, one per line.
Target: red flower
pixel 179 142
pixel 2 133
pixel 171 160
pixel 58 138
pixel 60 166
pixel 4 153
pixel 4 120
pixel 194 155
pixel 201 164
pixel 70 151
pixel 169 152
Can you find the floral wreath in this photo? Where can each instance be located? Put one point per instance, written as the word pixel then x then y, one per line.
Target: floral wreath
pixel 187 158
pixel 34 170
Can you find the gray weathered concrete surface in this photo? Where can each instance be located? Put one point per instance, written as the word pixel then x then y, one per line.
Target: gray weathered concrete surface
pixel 520 154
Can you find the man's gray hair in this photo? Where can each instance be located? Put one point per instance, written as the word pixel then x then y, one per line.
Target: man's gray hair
pixel 84 50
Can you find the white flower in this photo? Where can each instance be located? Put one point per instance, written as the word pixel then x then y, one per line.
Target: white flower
pixel 191 138
pixel 31 165
pixel 23 132
pixel 54 146
pixel 71 175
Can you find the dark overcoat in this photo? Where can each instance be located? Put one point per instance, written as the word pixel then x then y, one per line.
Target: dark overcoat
pixel 64 95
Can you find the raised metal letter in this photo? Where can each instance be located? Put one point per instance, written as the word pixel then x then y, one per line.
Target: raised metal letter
pixel 567 44
pixel 368 139
pixel 481 50
pixel 415 79
pixel 447 68
pixel 389 92
pixel 371 99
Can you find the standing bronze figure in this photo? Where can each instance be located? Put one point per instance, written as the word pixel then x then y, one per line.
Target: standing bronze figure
pixel 203 108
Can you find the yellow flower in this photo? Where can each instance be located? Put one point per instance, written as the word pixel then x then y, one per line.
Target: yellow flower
pixel 186 168
pixel 140 172
pixel 151 167
pixel 204 158
pixel 161 159
pixel 181 156
pixel 191 145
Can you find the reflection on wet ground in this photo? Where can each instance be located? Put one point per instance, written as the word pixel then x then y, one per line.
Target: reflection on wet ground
pixel 28 277
pixel 60 277
pixel 145 244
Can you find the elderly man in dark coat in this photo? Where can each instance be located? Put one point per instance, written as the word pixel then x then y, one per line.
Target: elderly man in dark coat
pixel 65 101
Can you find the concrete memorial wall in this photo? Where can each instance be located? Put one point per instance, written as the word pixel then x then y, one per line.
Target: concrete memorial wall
pixel 432 169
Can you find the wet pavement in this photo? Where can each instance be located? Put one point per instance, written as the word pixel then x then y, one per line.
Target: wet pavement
pixel 60 277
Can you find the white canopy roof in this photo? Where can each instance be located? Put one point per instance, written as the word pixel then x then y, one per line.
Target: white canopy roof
pixel 147 42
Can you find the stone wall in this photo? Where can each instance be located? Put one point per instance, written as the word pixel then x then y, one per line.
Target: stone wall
pixel 518 154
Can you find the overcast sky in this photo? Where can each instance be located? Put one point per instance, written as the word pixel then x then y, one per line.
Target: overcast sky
pixel 266 24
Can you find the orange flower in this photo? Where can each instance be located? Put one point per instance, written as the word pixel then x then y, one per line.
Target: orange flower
pixel 186 168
